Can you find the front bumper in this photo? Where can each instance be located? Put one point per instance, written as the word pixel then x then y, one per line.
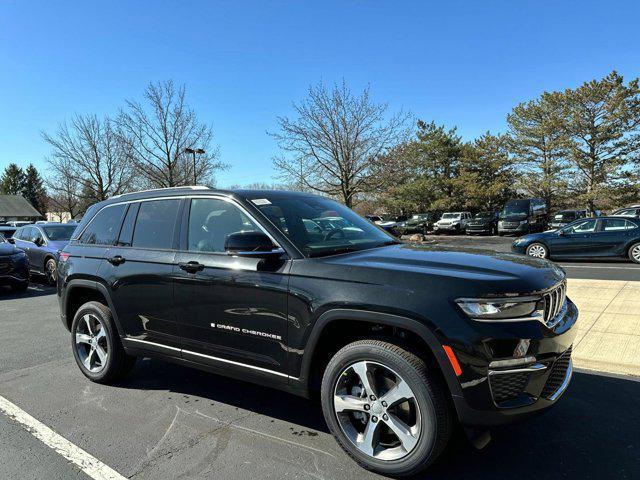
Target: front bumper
pixel 512 227
pixel 14 272
pixel 446 228
pixel 498 395
pixel 479 228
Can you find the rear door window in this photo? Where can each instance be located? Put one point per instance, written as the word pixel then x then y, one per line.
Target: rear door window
pixel 155 224
pixel 104 228
pixel 617 225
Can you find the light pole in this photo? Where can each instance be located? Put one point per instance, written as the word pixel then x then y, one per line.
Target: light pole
pixel 193 152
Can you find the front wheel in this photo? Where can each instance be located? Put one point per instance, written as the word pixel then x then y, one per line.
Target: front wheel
pixel 537 250
pixel 634 253
pixel 387 410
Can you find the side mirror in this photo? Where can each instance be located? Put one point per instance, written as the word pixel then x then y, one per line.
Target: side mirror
pixel 11 240
pixel 38 241
pixel 251 244
pixel 562 233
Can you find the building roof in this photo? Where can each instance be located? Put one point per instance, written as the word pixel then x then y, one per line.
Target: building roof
pixel 16 206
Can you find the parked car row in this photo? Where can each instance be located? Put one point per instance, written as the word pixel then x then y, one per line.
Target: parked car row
pixel 32 249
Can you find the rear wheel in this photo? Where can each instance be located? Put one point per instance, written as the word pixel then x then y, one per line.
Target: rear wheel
pixel 385 408
pixel 634 252
pixel 96 345
pixel 537 250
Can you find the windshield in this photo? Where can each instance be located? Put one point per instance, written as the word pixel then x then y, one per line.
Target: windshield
pixel 483 215
pixel 59 233
pixel 446 216
pixel 319 226
pixel 516 207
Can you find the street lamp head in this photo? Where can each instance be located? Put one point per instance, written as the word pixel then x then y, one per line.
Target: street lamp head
pixel 200 151
pixel 189 150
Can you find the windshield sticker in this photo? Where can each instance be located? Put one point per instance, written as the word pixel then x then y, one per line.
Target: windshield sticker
pixel 260 201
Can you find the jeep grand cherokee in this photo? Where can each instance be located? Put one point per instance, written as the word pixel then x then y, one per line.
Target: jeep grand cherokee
pixel 297 292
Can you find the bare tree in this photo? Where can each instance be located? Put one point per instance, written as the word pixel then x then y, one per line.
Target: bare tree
pixel 337 142
pixel 159 131
pixel 88 160
pixel 66 190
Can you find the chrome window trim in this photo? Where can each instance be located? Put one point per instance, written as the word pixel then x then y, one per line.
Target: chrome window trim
pixel 181 197
pixel 217 359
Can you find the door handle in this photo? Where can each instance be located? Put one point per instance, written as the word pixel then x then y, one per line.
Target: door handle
pixel 191 267
pixel 117 260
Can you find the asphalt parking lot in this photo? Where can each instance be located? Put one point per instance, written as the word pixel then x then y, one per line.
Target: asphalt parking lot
pixel 168 421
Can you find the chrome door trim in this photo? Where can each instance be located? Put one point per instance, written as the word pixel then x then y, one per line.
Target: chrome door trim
pixel 217 359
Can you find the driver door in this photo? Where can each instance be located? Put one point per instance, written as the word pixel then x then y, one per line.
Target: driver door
pixel 578 240
pixel 232 311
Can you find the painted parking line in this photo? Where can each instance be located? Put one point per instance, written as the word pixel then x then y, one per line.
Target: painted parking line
pixel 564 265
pixel 90 465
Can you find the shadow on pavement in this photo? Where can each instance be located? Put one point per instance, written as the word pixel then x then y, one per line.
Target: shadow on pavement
pixel 594 431
pixel 35 290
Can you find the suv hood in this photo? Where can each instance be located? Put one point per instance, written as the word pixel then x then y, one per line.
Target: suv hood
pixel 407 265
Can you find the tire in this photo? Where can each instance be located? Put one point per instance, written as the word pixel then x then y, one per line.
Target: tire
pixel 118 364
pixel 427 413
pixel 51 270
pixel 537 250
pixel 634 252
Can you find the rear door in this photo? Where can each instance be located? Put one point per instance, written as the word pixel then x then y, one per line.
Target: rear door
pixel 232 310
pixel 139 269
pixel 613 236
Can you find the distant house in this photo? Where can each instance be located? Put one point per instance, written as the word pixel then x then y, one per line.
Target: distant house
pixel 16 207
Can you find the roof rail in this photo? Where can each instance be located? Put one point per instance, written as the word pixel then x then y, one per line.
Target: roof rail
pixel 190 187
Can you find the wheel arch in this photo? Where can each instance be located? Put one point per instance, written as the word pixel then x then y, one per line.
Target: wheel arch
pixel 80 291
pixel 332 318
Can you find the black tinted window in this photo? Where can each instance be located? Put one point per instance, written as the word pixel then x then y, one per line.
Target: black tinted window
pixel 126 233
pixel 155 224
pixel 103 229
pixel 211 220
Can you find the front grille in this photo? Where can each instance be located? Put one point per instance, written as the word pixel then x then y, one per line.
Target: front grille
pixel 553 301
pixel 510 224
pixel 557 375
pixel 508 386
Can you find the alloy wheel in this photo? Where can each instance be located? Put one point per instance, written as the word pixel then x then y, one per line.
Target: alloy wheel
pixel 537 250
pixel 377 410
pixel 635 253
pixel 91 343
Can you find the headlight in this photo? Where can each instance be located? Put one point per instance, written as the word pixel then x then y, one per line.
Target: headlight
pixel 514 309
pixel 519 241
pixel 524 222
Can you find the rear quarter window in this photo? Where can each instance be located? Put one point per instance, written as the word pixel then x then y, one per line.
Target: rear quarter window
pixel 104 227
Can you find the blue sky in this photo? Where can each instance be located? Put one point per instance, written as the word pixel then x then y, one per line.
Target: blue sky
pixel 458 63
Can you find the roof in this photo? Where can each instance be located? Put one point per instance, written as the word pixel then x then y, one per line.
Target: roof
pixel 16 206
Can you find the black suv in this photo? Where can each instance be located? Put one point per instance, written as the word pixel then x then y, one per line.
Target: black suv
pixel 400 341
